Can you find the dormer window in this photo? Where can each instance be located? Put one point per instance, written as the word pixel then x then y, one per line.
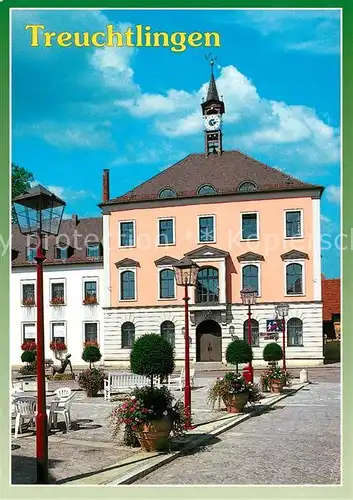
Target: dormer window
pixel 167 193
pixel 30 254
pixel 61 252
pixel 93 250
pixel 247 187
pixel 205 190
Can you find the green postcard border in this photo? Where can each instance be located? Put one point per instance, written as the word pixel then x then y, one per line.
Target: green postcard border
pixel 195 492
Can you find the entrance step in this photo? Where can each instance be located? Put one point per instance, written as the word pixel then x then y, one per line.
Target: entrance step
pixel 208 366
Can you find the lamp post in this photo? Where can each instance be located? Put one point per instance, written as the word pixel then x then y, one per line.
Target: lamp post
pixel 39 212
pixel 186 275
pixel 282 312
pixel 248 297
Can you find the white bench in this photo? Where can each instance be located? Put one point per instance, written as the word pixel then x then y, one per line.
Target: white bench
pixel 124 383
pixel 178 380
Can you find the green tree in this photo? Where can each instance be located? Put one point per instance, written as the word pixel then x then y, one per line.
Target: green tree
pixel 20 181
pixel 238 352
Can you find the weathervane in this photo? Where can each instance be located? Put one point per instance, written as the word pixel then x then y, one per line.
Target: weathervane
pixel 210 59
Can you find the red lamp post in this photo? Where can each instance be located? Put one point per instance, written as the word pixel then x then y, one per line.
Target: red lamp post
pixel 248 297
pixel 39 212
pixel 186 275
pixel 282 312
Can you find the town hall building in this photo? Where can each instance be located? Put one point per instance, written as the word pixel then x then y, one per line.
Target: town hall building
pixel 244 223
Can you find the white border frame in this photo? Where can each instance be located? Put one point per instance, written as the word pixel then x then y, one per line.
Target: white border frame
pixel 121 271
pixel 301 236
pixel 119 233
pixel 172 217
pixel 214 229
pixel 286 264
pixel 256 263
pixel 159 270
pixel 252 212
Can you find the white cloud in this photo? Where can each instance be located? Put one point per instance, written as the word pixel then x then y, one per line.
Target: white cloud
pixel 141 153
pixel 333 194
pixel 316 31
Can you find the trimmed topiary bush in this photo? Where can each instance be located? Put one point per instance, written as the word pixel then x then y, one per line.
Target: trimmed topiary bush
pixel 238 352
pixel 272 352
pixel 28 356
pixel 151 356
pixel 332 352
pixel 91 354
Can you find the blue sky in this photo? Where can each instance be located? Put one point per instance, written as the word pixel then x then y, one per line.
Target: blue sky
pixel 76 111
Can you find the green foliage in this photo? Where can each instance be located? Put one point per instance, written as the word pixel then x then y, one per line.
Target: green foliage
pixel 273 352
pixel 21 181
pixel 238 351
pixel 91 381
pixel 332 352
pixel 29 369
pixel 28 356
pixel 230 385
pixel 91 354
pixel 152 355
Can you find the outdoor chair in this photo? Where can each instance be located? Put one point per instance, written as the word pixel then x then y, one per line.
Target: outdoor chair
pixel 23 408
pixel 179 380
pixel 63 392
pixel 61 406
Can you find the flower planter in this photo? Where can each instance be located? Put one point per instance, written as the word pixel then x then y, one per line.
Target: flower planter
pixel 276 386
pixel 154 435
pixel 236 403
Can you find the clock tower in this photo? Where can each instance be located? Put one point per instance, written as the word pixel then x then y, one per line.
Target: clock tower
pixel 212 111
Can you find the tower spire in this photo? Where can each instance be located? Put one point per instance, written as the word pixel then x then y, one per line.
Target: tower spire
pixel 212 93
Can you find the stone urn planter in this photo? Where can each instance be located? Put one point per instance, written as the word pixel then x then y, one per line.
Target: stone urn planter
pixel 153 436
pixel 236 403
pixel 276 386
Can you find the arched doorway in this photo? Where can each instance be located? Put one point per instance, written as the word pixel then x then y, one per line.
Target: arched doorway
pixel 208 341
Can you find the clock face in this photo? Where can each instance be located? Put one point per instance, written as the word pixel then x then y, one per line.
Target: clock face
pixel 212 122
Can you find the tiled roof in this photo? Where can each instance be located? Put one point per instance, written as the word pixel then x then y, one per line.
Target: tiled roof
pixel 331 297
pixel 224 172
pixel 73 232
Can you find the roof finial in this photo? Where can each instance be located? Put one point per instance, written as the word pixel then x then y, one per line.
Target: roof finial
pixel 211 60
pixel 212 93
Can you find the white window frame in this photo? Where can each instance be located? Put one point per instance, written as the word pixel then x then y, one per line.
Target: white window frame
pixel 57 280
pixel 85 279
pixel 214 229
pixel 28 282
pixel 160 269
pixel 252 212
pixel 158 234
pixel 122 270
pixel 301 236
pixel 119 233
pixel 287 263
pixel 84 330
pixel 52 323
pixel 23 324
pixel 258 265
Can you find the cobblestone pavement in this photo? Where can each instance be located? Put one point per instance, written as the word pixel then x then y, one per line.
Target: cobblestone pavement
pixel 298 442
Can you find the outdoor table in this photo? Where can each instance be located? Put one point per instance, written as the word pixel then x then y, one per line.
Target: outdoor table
pixel 31 394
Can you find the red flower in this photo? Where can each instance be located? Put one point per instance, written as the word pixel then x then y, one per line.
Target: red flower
pixel 29 345
pixel 58 346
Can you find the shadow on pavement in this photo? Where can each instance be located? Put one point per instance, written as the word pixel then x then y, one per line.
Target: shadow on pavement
pixel 24 470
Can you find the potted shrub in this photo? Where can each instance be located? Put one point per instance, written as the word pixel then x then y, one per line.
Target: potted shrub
pixel 272 353
pixel 275 379
pixel 234 391
pixel 92 381
pixel 238 351
pixel 152 356
pixel 150 416
pixel 29 356
pixel 91 353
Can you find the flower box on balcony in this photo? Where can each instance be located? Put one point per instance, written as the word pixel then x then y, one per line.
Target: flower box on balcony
pixel 29 345
pixel 57 301
pixel 90 300
pixel 28 302
pixel 58 346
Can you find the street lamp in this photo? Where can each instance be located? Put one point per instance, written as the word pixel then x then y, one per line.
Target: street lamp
pixel 39 212
pixel 186 275
pixel 282 312
pixel 248 297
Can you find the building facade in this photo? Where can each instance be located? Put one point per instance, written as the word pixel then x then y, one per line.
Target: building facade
pixel 73 279
pixel 244 223
pixel 331 298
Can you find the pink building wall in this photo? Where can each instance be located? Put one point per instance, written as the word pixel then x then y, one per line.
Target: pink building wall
pixel 271 244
